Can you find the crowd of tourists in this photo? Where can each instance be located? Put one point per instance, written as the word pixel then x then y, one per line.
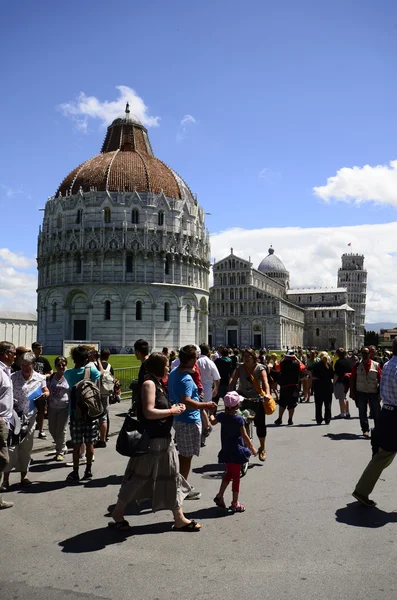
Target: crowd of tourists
pixel 176 400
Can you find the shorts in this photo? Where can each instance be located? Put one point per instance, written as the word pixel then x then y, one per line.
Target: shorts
pixel 288 397
pixel 105 417
pixel 339 391
pixel 188 438
pixel 83 431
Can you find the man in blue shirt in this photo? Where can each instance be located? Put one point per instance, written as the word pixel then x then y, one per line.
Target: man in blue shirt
pixel 183 390
pixel 82 431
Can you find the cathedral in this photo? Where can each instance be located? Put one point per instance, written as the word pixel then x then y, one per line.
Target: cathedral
pixel 256 307
pixel 123 251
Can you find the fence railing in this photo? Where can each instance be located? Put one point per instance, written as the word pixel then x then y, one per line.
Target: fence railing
pixel 125 376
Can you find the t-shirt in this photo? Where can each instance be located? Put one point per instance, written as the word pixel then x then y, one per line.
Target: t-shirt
pixel 225 368
pixel 342 366
pixel 142 373
pixel 59 392
pixel 22 390
pixel 233 449
pixel 209 374
pixel 289 372
pixel 181 384
pixel 42 366
pixel 75 375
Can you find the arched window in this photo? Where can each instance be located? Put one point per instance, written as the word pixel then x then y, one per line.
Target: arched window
pixel 79 215
pixel 54 312
pixel 107 215
pixel 129 263
pixel 160 218
pixel 167 265
pixel 107 310
pixel 189 313
pixel 78 265
pixel 317 332
pixel 138 311
pixel 59 221
pixel 135 216
pixel 166 311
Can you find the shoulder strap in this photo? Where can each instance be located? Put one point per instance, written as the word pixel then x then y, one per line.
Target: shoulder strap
pixel 87 373
pixel 255 383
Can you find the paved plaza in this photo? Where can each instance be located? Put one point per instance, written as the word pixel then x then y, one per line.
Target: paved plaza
pixel 302 536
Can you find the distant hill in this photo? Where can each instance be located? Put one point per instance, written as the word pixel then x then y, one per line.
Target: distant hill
pixel 381 325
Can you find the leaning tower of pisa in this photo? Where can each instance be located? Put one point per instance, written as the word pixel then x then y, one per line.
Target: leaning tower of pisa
pixel 353 277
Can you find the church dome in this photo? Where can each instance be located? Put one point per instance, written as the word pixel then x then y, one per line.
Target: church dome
pixel 126 164
pixel 272 264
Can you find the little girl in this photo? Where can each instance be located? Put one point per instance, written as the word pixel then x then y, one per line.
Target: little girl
pixel 236 449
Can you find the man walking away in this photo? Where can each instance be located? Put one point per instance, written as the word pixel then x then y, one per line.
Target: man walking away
pixel 385 432
pixel 342 368
pixel 291 370
pixel 7 356
pixel 364 389
pixel 104 420
pixel 43 367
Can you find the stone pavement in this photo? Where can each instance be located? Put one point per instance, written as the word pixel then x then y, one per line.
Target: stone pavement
pixel 302 536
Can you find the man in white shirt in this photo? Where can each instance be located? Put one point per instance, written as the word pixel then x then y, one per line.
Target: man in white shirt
pixel 210 377
pixel 7 357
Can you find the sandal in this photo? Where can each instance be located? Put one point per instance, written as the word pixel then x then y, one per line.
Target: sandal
pixel 237 508
pixel 120 525
pixel 261 454
pixel 191 526
pixel 219 502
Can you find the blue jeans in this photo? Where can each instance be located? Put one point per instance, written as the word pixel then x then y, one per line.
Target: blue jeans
pixel 362 399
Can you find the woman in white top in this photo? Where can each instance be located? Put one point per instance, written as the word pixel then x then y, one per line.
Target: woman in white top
pixel 58 406
pixel 27 384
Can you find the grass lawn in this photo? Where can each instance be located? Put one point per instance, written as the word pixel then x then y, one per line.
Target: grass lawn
pixel 118 361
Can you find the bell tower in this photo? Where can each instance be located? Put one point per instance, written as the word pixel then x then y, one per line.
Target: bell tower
pixel 353 276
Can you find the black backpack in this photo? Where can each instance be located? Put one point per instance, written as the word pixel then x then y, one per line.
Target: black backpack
pixel 86 397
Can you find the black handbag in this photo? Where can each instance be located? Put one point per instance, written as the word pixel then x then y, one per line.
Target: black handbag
pixel 133 439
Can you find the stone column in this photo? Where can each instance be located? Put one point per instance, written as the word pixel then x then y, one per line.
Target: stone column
pixel 89 322
pixel 173 268
pixel 66 333
pixel 154 306
pixel 197 325
pixel 179 315
pixel 123 309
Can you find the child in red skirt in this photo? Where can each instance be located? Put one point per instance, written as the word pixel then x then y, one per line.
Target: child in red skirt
pixel 236 449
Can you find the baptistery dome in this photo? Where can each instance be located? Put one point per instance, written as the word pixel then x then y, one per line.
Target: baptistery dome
pixel 123 251
pixel 126 164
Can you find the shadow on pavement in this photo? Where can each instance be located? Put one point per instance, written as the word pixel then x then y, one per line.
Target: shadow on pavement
pixel 360 516
pixel 104 481
pixel 98 539
pixel 212 512
pixel 209 468
pixel 344 436
pixel 44 465
pixel 43 486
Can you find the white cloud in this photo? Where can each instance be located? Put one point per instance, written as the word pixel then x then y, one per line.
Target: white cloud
pixel 362 184
pixel 268 174
pixel 12 259
pixel 86 107
pixel 312 256
pixel 17 284
pixel 185 123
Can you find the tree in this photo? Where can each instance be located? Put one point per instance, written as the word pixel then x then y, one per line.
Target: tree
pixel 371 338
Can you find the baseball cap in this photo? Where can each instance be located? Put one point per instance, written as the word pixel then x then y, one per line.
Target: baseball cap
pixel 232 399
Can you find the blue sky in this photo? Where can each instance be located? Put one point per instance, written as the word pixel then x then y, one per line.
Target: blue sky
pixel 283 94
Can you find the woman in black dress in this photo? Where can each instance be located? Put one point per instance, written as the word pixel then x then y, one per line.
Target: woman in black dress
pixel 323 374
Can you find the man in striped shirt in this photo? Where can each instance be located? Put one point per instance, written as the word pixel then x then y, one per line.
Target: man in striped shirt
pixel 385 432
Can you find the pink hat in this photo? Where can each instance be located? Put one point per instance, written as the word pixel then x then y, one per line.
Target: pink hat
pixel 232 399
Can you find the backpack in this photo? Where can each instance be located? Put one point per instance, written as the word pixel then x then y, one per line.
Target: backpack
pixel 86 397
pixel 107 382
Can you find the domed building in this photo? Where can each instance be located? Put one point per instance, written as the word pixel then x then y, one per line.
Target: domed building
pixel 123 252
pixel 255 307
